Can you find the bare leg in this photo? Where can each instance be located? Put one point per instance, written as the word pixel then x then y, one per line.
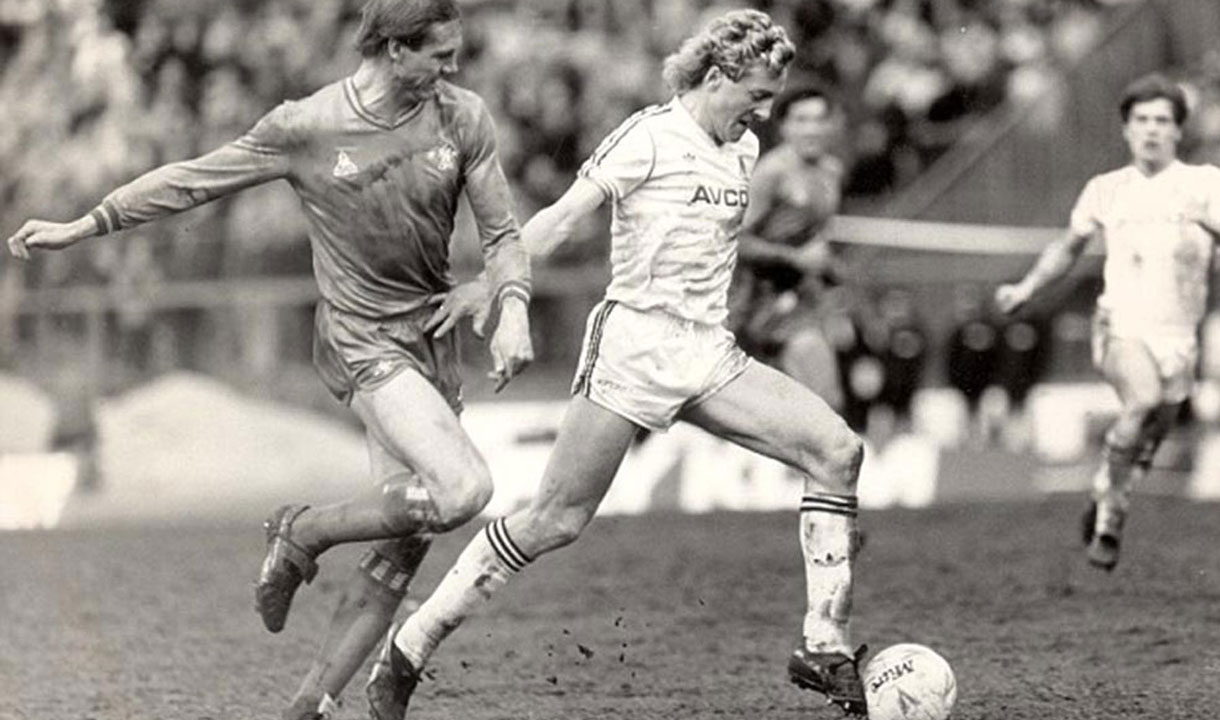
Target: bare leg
pixel 772 414
pixel 591 444
pixel 414 425
pixel 364 614
pixel 1131 370
pixel 372 597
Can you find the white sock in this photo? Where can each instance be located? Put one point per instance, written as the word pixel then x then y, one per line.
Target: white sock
pixel 1112 483
pixel 486 565
pixel 829 542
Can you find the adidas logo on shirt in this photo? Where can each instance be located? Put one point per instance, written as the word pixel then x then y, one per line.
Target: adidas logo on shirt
pixel 344 167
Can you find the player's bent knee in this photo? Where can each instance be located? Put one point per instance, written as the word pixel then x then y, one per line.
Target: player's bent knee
pixel 410 507
pixel 561 527
pixel 461 496
pixel 844 453
pixel 459 507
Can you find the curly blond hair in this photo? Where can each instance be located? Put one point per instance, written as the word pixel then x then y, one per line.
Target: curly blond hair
pixel 733 42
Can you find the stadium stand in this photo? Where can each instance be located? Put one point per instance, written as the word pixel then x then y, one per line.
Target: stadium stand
pixel 96 91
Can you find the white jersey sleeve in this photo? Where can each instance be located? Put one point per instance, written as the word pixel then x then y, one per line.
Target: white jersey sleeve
pixel 623 161
pixel 1211 198
pixel 1086 214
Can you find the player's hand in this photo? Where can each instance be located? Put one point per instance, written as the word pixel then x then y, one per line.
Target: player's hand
pixel 36 234
pixel 468 299
pixel 813 258
pixel 511 347
pixel 1010 298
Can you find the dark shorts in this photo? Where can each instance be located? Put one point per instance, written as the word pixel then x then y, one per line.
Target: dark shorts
pixel 354 353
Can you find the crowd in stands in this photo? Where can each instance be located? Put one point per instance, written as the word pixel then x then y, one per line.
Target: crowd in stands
pixel 96 91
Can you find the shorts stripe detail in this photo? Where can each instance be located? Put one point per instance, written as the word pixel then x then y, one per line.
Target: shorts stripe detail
pixel 830 503
pixel 506 549
pixel 595 340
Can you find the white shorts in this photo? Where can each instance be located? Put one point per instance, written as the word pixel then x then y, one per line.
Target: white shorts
pixel 648 366
pixel 1175 353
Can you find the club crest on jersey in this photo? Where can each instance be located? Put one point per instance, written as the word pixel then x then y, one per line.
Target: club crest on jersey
pixel 743 162
pixel 443 157
pixel 344 167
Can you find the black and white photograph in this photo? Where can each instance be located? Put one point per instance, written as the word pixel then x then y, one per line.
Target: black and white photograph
pixel 609 359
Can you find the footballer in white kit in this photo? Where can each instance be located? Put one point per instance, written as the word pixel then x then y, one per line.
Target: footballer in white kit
pixel 1159 219
pixel 658 342
pixel 1158 258
pixel 656 348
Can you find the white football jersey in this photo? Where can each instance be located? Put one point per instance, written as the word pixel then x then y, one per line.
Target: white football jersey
pixel 1158 233
pixel 678 201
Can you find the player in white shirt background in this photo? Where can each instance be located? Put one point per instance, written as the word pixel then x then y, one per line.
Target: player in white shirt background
pixel 1159 219
pixel 656 350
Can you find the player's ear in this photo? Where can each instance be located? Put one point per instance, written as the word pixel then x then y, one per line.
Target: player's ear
pixel 714 76
pixel 394 48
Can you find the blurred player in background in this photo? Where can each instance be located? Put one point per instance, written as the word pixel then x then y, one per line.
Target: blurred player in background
pixel 1159 219
pixel 656 350
pixel 378 160
pixel 785 266
pixel 972 353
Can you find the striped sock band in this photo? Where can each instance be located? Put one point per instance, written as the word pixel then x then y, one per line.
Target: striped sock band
pixel 508 552
pixel 384 572
pixel 832 503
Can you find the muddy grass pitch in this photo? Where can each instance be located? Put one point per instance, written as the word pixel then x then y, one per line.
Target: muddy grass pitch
pixel 660 616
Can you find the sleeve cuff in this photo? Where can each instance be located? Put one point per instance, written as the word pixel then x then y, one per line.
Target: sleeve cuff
pixel 514 289
pixel 106 218
pixel 602 184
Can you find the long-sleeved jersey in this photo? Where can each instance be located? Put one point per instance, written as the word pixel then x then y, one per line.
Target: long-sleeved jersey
pixel 380 198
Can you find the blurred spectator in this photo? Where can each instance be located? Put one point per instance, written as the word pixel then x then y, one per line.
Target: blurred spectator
pixel 972 347
pixel 860 342
pixel 906 352
pixel 1020 360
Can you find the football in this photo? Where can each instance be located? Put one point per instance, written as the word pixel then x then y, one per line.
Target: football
pixel 909 682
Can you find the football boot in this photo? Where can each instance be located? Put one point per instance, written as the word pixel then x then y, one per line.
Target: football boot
pixel 391 682
pixel 834 674
pixel 285 567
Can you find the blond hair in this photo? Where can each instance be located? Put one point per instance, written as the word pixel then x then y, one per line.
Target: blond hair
pixel 733 42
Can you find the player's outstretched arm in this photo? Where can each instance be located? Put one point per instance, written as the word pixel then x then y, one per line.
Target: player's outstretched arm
pixel 556 223
pixel 259 156
pixel 44 235
pixel 158 193
pixel 1052 264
